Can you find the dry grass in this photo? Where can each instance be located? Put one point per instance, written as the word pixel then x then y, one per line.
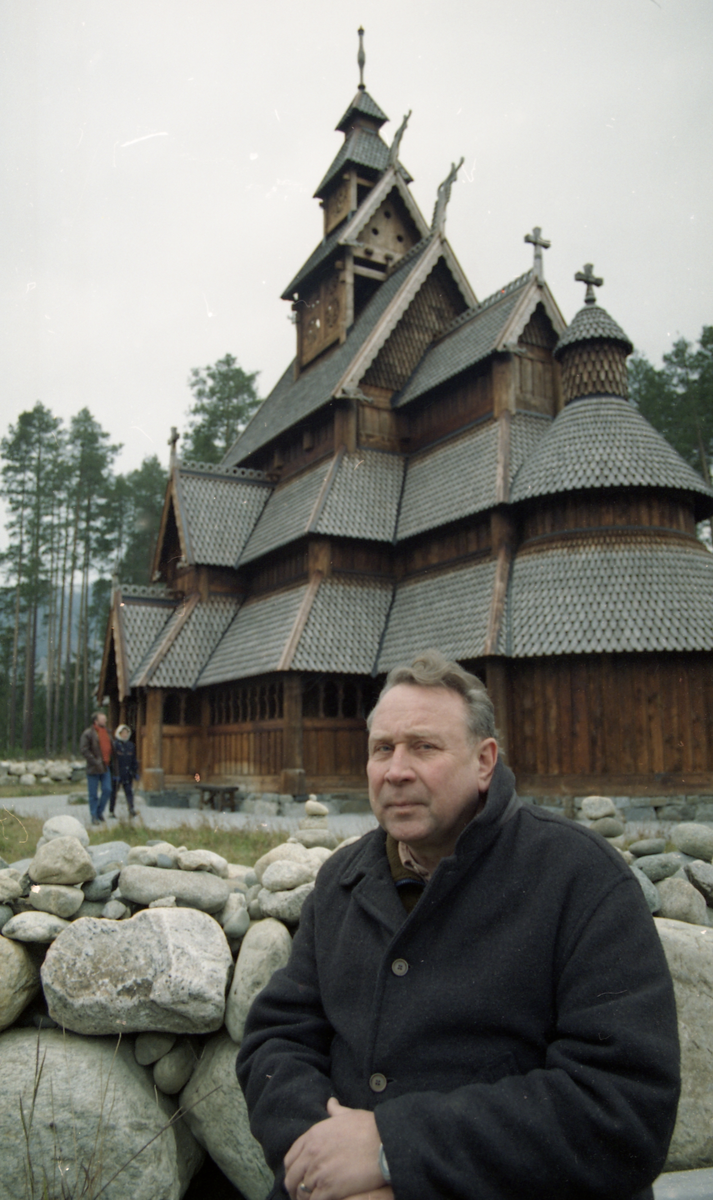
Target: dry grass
pixel 19 835
pixel 9 791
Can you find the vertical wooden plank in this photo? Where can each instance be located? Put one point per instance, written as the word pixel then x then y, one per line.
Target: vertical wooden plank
pixel 696 692
pixel 680 680
pixel 552 733
pixel 580 746
pixel 497 684
pixel 564 715
pixel 152 773
pixel 654 716
pixel 642 753
pixel 540 718
pixel 292 721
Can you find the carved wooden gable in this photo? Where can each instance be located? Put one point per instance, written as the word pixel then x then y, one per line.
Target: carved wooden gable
pixel 320 317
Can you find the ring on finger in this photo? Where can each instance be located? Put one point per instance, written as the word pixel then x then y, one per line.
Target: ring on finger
pixel 304 1189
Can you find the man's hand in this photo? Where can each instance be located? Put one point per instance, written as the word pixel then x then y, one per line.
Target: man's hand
pixel 337 1159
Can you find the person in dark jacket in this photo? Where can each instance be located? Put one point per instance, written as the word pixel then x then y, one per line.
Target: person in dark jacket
pixel 95 748
pixel 477 1004
pixel 125 769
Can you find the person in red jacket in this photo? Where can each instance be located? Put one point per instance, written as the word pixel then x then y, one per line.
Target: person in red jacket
pixel 95 747
pixel 477 1004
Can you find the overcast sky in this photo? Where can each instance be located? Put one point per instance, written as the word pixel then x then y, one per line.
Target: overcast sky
pixel 159 159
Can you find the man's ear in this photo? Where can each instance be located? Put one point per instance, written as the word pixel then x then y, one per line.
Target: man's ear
pixel 487 758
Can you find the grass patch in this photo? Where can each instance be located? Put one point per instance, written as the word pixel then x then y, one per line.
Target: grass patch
pixel 19 836
pixel 11 790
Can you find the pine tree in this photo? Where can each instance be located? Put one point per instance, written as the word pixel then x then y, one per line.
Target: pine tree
pixel 225 399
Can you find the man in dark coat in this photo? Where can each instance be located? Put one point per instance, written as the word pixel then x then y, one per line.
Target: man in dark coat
pixel 477 1005
pixel 95 747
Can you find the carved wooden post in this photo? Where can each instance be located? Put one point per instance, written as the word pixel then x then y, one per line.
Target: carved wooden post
pixel 152 772
pixel 292 778
pixel 206 761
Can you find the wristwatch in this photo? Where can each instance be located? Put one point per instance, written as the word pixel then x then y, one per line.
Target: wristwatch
pixel 384 1166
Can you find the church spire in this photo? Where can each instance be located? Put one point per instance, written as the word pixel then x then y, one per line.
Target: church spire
pixel 361 59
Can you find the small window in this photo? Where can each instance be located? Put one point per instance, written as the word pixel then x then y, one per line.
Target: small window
pixel 387 214
pixel 375 232
pixel 399 237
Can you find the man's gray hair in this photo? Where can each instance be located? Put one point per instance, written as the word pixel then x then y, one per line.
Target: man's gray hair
pixel 96 714
pixel 432 669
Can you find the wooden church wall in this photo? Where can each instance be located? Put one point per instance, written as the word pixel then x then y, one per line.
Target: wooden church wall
pixel 640 724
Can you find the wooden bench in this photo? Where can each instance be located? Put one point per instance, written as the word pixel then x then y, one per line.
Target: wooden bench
pixel 218 796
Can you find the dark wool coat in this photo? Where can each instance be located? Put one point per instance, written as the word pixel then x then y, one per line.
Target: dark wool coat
pixel 90 749
pixel 515 1035
pixel 124 765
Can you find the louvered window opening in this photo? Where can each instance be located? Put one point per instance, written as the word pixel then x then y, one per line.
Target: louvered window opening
pixel 236 704
pixel 335 697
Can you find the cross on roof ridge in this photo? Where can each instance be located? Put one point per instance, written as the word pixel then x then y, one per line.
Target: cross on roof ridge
pixel 540 244
pixel 587 276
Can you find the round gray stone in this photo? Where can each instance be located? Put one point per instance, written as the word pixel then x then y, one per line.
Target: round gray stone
pixel 99 890
pixel 6 914
pixel 694 839
pixel 34 927
pixel 594 807
pixel 283 875
pixel 194 889
pixel 647 846
pixel 658 866
pixel 238 924
pixel 608 827
pixel 63 860
pixel 65 825
pixel 56 898
pixel 700 875
pixel 284 906
pixel 266 947
pixel 19 980
pixel 173 1070
pixel 680 901
pixel 648 888
pixel 317 837
pixel 149 1047
pixel 115 910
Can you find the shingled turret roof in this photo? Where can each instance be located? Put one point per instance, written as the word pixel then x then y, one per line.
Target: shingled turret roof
pixel 592 322
pixel 366 106
pixel 603 442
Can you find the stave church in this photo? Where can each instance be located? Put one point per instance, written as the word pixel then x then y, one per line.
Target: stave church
pixel 432 470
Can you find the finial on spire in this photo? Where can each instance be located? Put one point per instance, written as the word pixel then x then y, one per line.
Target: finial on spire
pixel 396 144
pixel 361 58
pixel 444 194
pixel 587 276
pixel 540 244
pixel 173 442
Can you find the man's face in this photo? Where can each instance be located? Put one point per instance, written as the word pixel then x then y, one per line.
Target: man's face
pixel 100 720
pixel 426 773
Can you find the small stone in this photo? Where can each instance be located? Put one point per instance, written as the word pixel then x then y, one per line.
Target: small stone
pixel 648 846
pixel 314 823
pixel 694 839
pixel 202 860
pixel 284 906
pixel 237 873
pixel 56 898
pixel 669 812
pixel 90 908
pixel 313 808
pixel 266 947
pixel 700 875
pixel 317 837
pixel 174 1069
pixel 648 888
pixel 294 851
pixel 165 861
pixel 28 779
pixel 594 807
pixel 64 825
pixel 34 927
pixel 237 926
pixel 163 902
pixel 114 910
pixel 100 889
pixel 19 980
pixel 109 856
pixel 149 1047
pixel 680 901
pixel 144 855
pixel 9 888
pixel 234 904
pixel 658 866
pixel 608 827
pixel 6 914
pixel 62 860
pixel 195 889
pixel 283 875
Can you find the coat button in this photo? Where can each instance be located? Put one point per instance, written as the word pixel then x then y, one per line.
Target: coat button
pixel 399 966
pixel 377 1082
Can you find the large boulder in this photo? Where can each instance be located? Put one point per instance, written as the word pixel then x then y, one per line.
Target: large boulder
pixel 165 970
pixel 266 946
pixel 689 953
pixel 19 980
pixel 195 889
pixel 680 901
pixel 93 1110
pixel 218 1118
pixel 62 860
